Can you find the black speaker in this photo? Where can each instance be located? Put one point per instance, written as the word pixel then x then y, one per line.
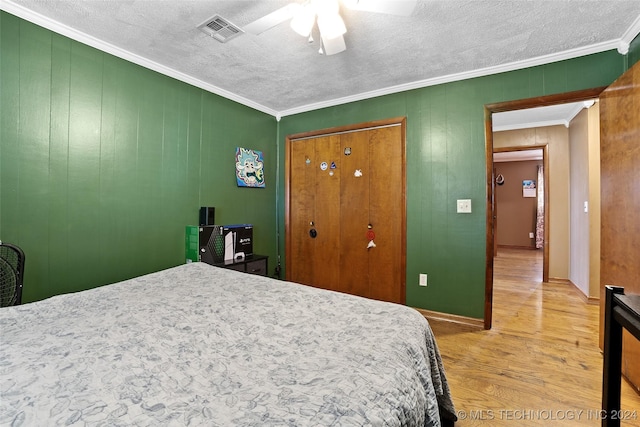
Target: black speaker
pixel 207 215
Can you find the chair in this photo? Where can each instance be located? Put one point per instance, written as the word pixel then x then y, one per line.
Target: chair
pixel 620 312
pixel 11 274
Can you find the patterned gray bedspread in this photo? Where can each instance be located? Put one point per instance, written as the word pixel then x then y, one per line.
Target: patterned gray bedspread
pixel 200 345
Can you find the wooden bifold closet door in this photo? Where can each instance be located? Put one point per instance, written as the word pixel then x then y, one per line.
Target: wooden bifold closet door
pixel 344 187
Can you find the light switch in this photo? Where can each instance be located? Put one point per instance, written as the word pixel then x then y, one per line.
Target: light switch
pixel 464 206
pixel 423 280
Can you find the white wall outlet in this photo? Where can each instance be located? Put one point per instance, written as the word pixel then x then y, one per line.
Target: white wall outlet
pixel 531 236
pixel 423 280
pixel 464 206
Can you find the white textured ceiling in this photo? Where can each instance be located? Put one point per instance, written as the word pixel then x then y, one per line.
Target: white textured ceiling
pixel 280 73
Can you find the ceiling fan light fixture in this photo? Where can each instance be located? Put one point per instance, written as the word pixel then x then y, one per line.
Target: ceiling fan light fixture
pixel 391 7
pixel 351 4
pixel 331 26
pixel 303 21
pixel 304 17
pixel 333 46
pixel 326 7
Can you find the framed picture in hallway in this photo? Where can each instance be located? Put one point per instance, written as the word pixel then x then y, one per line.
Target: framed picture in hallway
pixel 528 188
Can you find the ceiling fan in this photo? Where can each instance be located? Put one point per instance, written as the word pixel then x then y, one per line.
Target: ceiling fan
pixel 326 14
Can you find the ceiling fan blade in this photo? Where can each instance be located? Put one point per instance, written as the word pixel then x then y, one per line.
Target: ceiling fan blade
pixel 391 7
pixel 271 20
pixel 334 45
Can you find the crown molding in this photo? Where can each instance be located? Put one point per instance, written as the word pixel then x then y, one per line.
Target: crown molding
pixel 576 110
pixel 563 121
pixel 621 45
pixel 518 156
pixel 79 36
pixel 559 122
pixel 628 36
pixel 518 65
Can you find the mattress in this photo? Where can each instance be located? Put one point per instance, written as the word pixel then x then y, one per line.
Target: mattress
pixel 202 345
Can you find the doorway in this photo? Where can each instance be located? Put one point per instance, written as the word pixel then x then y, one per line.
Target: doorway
pixel 490 109
pixel 523 223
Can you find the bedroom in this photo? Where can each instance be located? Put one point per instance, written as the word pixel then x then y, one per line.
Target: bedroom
pixel 105 192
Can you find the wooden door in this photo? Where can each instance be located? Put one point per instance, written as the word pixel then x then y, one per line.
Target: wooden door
pixel 338 185
pixel 315 206
pixel 494 205
pixel 620 200
pixel 354 214
pixel 386 214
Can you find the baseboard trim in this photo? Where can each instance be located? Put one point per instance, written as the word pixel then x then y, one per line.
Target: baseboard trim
pixel 532 248
pixel 561 281
pixel 585 298
pixel 453 318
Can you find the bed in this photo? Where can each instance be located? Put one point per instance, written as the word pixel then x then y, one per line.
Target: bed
pixel 201 345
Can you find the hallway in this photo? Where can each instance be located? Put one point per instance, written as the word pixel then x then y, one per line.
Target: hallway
pixel 540 363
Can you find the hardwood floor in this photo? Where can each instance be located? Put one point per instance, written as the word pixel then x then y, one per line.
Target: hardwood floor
pixel 540 363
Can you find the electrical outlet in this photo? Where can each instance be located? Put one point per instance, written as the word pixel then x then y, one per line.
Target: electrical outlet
pixel 423 280
pixel 531 236
pixel 463 206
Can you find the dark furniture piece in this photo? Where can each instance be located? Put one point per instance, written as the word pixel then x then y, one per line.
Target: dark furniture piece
pixel 621 311
pixel 253 264
pixel 11 274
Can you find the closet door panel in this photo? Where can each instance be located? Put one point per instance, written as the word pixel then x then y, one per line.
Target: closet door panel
pixel 301 265
pixel 354 213
pixel 338 184
pixel 386 212
pixel 327 213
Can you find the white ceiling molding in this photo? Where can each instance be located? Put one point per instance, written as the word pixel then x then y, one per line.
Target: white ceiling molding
pixel 552 115
pixel 533 62
pixel 531 124
pixel 576 110
pixel 623 47
pixel 517 156
pixel 628 36
pixel 81 37
pixel 41 20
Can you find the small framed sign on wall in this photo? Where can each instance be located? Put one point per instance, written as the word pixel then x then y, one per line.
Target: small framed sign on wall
pixel 528 188
pixel 249 168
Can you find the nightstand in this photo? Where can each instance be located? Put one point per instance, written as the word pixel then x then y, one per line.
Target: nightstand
pixel 253 264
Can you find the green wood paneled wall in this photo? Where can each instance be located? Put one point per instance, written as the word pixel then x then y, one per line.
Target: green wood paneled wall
pixel 634 51
pixel 103 163
pixel 446 161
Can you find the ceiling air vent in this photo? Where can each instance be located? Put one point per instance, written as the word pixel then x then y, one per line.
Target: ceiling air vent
pixel 220 28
